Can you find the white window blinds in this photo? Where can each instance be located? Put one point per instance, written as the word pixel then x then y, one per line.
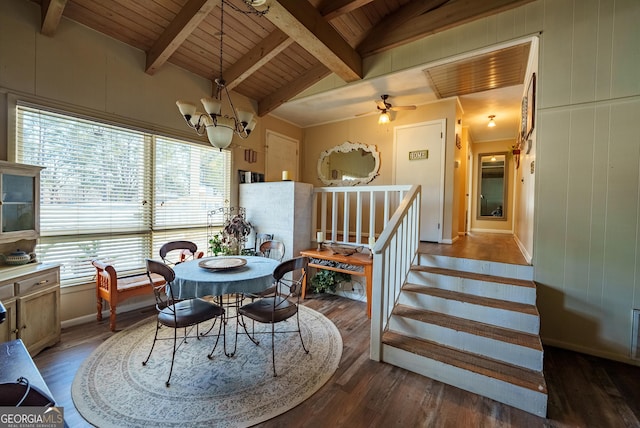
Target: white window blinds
pixel 105 194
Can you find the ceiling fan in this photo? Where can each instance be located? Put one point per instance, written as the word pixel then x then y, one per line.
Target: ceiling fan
pixel 384 107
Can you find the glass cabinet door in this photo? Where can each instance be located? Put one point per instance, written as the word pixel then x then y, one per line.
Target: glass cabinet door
pixel 18 205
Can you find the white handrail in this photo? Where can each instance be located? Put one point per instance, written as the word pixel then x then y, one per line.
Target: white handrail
pixel 393 254
pixel 337 211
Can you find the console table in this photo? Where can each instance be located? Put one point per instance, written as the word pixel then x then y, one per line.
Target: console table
pixel 358 264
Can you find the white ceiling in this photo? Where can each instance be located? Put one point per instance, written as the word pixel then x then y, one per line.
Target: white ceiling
pixel 408 88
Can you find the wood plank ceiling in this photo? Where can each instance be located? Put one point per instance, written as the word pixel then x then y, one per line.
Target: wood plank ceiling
pixel 268 58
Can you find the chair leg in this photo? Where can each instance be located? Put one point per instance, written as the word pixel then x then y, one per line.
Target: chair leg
pixel 220 330
pixel 173 356
pixel 306 351
pixel 273 348
pixel 252 335
pixel 144 363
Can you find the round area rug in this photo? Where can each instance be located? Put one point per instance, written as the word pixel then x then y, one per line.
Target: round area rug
pixel 113 389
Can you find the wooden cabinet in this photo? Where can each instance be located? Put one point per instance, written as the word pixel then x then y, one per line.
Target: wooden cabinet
pixel 19 201
pixel 9 329
pixel 33 312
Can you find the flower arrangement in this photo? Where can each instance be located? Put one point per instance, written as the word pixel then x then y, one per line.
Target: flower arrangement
pixel 231 238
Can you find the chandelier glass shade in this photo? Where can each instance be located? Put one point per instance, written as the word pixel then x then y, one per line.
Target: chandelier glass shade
pixel 220 128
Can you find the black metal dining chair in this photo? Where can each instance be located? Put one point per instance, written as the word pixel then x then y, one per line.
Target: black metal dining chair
pixel 281 305
pixel 272 249
pixel 188 250
pixel 178 314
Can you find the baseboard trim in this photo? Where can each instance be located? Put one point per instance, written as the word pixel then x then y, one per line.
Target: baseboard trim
pixel 589 351
pixel 523 250
pixel 105 314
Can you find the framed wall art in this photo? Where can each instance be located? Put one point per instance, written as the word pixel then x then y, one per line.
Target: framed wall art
pixel 530 107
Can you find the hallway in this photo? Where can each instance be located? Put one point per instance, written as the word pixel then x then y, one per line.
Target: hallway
pixel 496 247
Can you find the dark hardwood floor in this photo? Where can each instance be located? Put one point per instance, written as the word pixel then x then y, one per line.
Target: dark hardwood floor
pixel 584 391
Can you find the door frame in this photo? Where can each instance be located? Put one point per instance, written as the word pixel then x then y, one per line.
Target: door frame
pixel 443 142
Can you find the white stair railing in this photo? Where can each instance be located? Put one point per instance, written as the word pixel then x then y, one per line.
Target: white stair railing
pixel 345 216
pixel 394 252
pixel 355 215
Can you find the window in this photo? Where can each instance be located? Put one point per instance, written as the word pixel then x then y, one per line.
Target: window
pixel 116 194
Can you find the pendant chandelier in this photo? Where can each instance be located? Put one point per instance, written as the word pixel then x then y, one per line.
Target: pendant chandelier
pixel 220 128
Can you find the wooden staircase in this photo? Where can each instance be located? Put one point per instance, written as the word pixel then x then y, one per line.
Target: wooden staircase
pixel 474 325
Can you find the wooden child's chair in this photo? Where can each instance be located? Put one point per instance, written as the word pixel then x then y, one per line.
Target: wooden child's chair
pixel 116 290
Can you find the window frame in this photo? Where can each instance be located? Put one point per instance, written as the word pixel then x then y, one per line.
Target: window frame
pixel 151 235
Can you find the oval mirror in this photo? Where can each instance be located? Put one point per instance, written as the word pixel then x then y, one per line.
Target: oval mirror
pixel 348 164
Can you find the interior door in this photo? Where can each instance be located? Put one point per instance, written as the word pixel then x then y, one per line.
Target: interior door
pixel 282 155
pixel 419 159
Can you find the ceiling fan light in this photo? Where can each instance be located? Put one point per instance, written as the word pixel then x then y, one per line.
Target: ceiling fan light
pixel 384 118
pixel 491 123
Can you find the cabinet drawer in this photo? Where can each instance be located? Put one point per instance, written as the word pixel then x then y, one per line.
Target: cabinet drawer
pixel 6 291
pixel 37 281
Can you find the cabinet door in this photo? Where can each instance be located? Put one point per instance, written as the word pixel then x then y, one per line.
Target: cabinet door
pixel 39 318
pixel 8 330
pixel 19 201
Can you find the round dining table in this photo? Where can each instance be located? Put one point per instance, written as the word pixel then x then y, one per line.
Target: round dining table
pixel 194 280
pixel 233 276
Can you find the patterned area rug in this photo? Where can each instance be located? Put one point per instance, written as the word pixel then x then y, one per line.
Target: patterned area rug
pixel 113 389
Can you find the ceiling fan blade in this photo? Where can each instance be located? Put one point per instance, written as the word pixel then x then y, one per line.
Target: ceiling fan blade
pixel 381 105
pixel 396 108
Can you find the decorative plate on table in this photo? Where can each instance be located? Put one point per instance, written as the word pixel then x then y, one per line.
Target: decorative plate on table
pixel 222 263
pixel 345 250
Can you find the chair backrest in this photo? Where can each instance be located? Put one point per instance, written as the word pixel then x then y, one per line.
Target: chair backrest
pixel 272 249
pixel 260 238
pixel 163 298
pixel 289 276
pixel 188 250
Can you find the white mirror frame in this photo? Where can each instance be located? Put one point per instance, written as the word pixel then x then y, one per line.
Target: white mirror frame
pixel 347 147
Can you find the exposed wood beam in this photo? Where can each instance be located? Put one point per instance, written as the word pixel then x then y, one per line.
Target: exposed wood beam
pixel 304 24
pixel 404 14
pixel 336 8
pixel 447 16
pixel 189 17
pixel 290 90
pixel 51 11
pixel 258 56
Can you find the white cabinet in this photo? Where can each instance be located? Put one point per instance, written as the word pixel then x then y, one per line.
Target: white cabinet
pixel 282 208
pixel 33 308
pixel 19 201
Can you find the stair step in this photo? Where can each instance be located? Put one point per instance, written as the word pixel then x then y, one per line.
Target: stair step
pixel 473 299
pixel 514 337
pixel 506 270
pixel 506 314
pixel 491 286
pixel 525 378
pixel 476 276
